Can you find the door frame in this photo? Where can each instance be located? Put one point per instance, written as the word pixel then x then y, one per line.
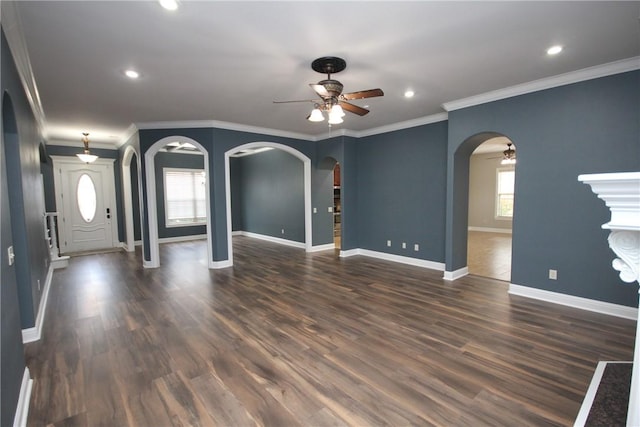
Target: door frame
pixel 152 211
pixel 127 195
pixel 57 162
pixel 306 161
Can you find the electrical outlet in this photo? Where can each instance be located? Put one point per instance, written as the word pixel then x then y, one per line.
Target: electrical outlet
pixel 315 210
pixel 11 255
pixel 553 274
pixel 416 247
pixel 330 209
pixel 404 245
pixel 282 231
pixel 38 285
pixel 389 243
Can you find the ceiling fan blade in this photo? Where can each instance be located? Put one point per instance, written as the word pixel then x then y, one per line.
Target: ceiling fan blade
pixel 353 108
pixel 363 94
pixel 299 100
pixel 320 90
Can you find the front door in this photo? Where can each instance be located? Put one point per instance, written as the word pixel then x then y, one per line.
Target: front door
pixel 85 200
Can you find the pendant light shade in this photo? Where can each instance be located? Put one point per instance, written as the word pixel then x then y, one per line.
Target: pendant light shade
pixel 86 156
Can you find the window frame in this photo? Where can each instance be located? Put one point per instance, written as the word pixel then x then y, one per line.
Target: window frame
pixel 170 223
pixel 497 215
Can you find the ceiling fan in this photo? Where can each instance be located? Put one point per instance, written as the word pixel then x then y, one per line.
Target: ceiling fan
pixel 332 100
pixel 508 156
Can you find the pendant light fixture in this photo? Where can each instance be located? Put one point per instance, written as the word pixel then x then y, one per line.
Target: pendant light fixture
pixel 508 156
pixel 86 157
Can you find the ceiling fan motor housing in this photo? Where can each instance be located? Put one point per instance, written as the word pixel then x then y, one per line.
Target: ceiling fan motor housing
pixel 334 87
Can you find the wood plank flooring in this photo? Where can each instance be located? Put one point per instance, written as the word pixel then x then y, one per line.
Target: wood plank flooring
pixel 286 338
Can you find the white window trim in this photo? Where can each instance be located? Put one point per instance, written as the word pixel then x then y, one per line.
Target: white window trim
pixel 496 202
pixel 166 210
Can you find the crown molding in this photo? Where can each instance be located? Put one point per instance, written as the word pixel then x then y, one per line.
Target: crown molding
pixel 223 125
pixel 617 67
pixel 420 121
pixel 12 25
pixel 126 136
pixel 78 144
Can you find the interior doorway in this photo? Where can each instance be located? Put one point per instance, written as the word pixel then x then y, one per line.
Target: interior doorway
pixel 169 144
pixel 337 208
pixel 491 202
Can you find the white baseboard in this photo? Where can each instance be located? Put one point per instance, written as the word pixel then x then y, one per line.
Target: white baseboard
pixel 182 238
pixel 272 239
pixel 349 252
pixel 431 265
pixel 150 264
pixel 220 264
pixel 137 243
pixel 236 233
pixel 22 409
pixel 456 274
pixel 576 302
pixel 319 248
pixel 491 230
pixel 34 333
pixel 60 262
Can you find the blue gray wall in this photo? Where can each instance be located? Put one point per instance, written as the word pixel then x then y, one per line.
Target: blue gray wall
pixel 12 357
pixel 270 195
pixel 135 200
pixel 402 191
pixel 236 201
pixel 586 127
pixel 174 161
pixel 20 182
pixel 26 197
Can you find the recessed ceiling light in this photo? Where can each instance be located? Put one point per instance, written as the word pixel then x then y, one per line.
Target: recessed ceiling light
pixel 554 50
pixel 409 94
pixel 169 4
pixel 132 74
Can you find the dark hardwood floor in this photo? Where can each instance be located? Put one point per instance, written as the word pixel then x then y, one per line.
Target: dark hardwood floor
pixel 286 338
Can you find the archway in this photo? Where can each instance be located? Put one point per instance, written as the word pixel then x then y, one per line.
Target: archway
pixel 130 155
pixel 152 214
pixel 329 184
pixel 458 204
pixel 307 190
pixel 490 208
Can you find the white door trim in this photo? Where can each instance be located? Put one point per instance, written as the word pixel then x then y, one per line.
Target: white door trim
pixel 58 161
pixel 307 191
pixel 127 195
pixel 150 184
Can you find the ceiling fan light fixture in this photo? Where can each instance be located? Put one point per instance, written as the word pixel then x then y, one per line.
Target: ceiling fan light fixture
pixel 508 162
pixel 335 118
pixel 337 110
pixel 316 115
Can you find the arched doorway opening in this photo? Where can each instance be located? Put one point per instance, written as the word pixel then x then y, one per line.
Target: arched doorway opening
pixel 458 203
pixel 131 189
pixel 330 201
pixel 490 212
pixel 307 190
pixel 151 196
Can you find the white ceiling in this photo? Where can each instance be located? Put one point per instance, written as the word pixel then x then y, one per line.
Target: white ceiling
pixel 227 61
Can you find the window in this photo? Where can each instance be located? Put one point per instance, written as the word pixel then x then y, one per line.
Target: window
pixel 504 193
pixel 185 198
pixel 87 198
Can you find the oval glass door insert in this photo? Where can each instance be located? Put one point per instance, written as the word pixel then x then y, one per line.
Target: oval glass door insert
pixel 87 200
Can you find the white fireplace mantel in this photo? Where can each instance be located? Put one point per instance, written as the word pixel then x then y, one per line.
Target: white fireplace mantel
pixel 621 194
